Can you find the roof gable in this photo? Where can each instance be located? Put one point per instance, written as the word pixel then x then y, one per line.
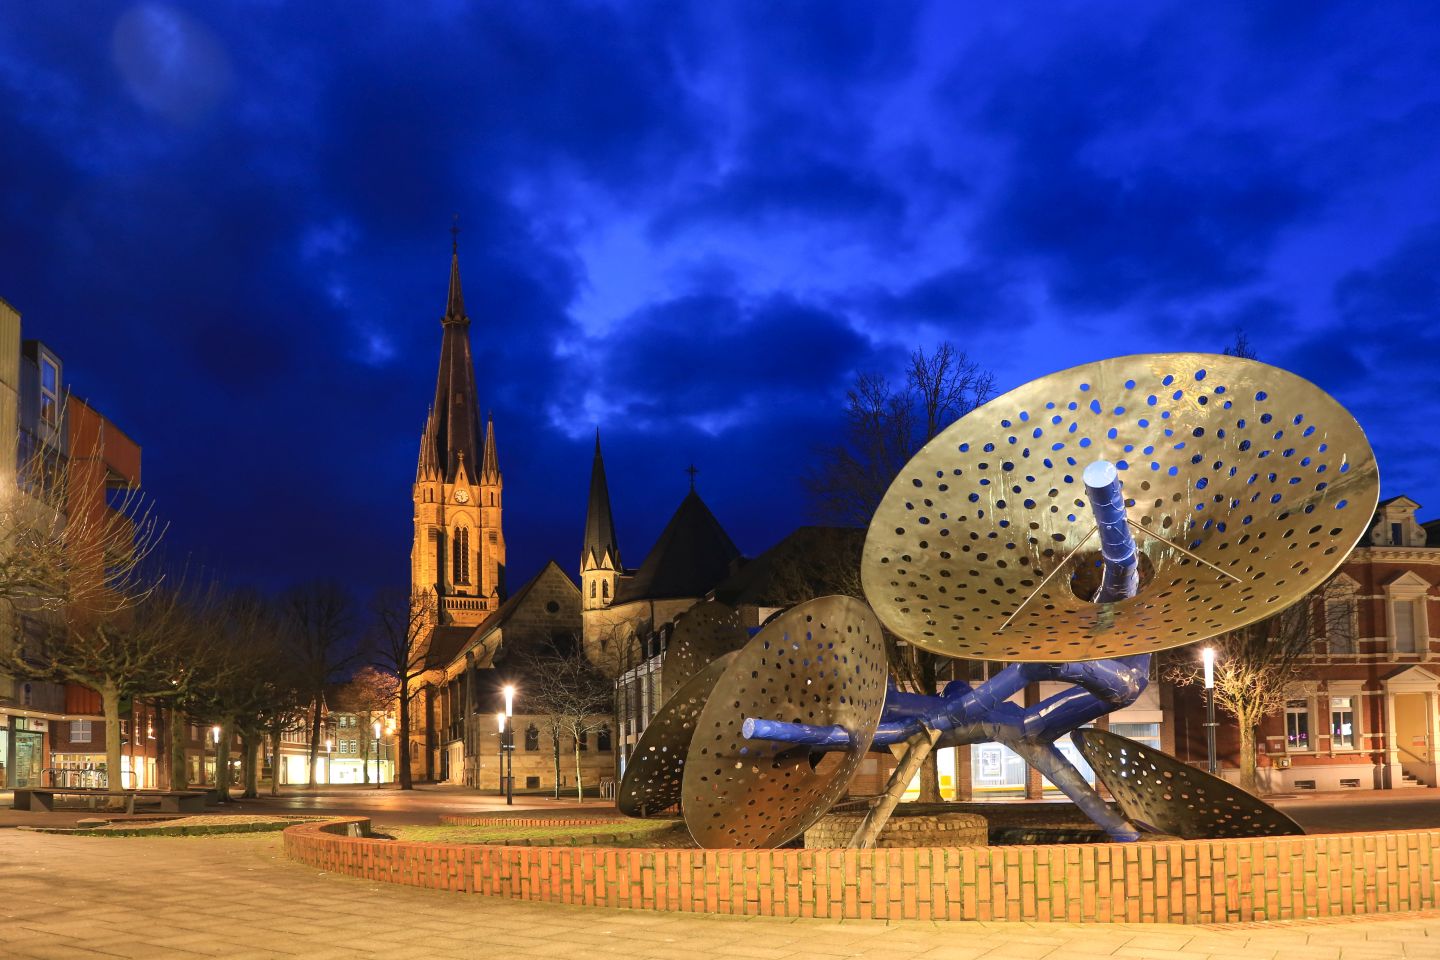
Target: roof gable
pixel 692 555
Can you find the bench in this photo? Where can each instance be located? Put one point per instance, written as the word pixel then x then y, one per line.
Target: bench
pixel 171 801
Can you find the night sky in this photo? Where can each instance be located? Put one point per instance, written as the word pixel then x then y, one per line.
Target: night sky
pixel 688 224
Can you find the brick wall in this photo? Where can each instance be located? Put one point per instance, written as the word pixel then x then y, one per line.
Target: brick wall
pixel 1194 881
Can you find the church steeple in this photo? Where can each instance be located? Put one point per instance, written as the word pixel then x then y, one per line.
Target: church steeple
pixel 458 554
pixel 452 432
pixel 600 567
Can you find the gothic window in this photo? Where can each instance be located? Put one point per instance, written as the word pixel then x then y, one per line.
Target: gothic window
pixel 493 538
pixel 602 740
pixel 460 563
pixel 605 589
pixel 532 738
pixel 592 589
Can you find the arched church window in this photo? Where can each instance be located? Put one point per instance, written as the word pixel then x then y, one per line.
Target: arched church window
pixel 460 561
pixel 605 589
pixel 532 738
pixel 592 589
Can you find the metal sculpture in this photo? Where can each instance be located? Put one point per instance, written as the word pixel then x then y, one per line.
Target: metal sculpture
pixel 702 634
pixel 652 779
pixel 818 666
pixel 1167 796
pixel 1091 517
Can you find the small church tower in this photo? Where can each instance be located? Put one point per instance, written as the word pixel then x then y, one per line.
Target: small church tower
pixel 459 548
pixel 600 567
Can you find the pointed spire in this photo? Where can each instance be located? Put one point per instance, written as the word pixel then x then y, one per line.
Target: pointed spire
pixel 453 429
pixel 599 525
pixel 490 465
pixel 427 468
pixel 455 304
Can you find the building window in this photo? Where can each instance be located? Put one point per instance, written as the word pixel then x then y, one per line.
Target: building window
pixel 1403 616
pixel 605 589
pixel 532 783
pixel 583 741
pixel 602 740
pixel 1297 725
pixel 49 392
pixel 79 731
pixel 592 589
pixel 1342 723
pixel 460 562
pixel 1341 628
pixel 532 738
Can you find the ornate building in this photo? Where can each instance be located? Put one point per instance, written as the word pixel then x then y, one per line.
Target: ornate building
pixel 459 546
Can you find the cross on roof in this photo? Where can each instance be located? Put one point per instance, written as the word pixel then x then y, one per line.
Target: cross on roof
pixel 455 235
pixel 692 470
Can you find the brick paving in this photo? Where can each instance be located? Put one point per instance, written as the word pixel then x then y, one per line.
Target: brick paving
pixel 236 897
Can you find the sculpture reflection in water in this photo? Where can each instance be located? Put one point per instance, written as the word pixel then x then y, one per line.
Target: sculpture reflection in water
pixel 1073 527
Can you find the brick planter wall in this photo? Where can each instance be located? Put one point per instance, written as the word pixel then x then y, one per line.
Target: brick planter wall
pixel 463 820
pixel 933 830
pixel 1191 881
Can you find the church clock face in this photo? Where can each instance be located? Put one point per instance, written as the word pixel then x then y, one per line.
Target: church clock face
pixel 462 496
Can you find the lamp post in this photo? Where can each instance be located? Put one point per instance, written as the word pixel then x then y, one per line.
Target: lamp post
pixel 500 770
pixel 329 744
pixel 1212 765
pixel 510 744
pixel 377 754
pixel 215 736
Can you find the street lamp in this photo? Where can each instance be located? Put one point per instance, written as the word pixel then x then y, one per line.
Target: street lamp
pixel 510 744
pixel 328 745
pixel 1208 656
pixel 377 754
pixel 215 736
pixel 500 723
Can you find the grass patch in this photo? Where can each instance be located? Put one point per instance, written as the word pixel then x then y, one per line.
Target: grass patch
pixel 621 833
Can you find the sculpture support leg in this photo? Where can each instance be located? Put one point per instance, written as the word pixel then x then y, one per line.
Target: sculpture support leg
pixel 1061 772
pixel 917 749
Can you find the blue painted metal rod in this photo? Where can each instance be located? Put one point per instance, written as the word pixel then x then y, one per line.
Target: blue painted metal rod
pixel 1121 571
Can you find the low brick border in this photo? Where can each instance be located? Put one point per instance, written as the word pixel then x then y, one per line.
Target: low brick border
pixel 469 820
pixel 1189 881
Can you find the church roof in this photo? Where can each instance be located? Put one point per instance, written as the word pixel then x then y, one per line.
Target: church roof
pixel 450 647
pixel 809 562
pixel 452 434
pixel 446 642
pixel 693 554
pixel 599 524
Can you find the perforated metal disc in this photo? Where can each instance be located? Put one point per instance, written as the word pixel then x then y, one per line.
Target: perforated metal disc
pixel 821 663
pixel 1160 793
pixel 653 775
pixel 1250 468
pixel 702 634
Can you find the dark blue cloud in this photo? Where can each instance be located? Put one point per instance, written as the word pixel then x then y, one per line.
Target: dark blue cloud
pixel 688 224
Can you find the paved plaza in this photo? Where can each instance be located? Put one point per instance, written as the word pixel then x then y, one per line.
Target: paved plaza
pixel 72 898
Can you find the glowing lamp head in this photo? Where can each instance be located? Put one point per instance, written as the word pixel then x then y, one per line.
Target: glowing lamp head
pixel 500 721
pixel 509 699
pixel 1208 656
pixel 377 729
pixel 215 733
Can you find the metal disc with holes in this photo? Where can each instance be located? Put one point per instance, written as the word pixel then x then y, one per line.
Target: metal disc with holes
pixel 701 635
pixel 653 776
pixel 1247 486
pixel 1160 793
pixel 821 663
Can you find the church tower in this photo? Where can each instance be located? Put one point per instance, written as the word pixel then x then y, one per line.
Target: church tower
pixel 600 568
pixel 459 547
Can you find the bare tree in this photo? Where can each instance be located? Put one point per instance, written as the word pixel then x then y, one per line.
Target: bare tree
pixel 885 427
pixel 369 695
pixel 1259 667
pixel 320 620
pixel 401 623
pixel 566 688
pixel 1241 347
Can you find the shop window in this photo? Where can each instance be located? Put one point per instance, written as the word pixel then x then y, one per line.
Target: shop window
pixel 1297 725
pixel 1342 723
pixel 532 738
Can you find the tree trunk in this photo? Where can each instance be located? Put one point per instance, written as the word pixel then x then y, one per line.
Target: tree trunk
pixel 579 776
pixel 402 744
pixel 179 762
pixel 315 739
pixel 555 738
pixel 1248 780
pixel 110 705
pixel 251 762
pixel 222 761
pixel 275 731
pixel 365 754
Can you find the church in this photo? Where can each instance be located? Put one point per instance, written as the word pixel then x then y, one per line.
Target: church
pixel 479 630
